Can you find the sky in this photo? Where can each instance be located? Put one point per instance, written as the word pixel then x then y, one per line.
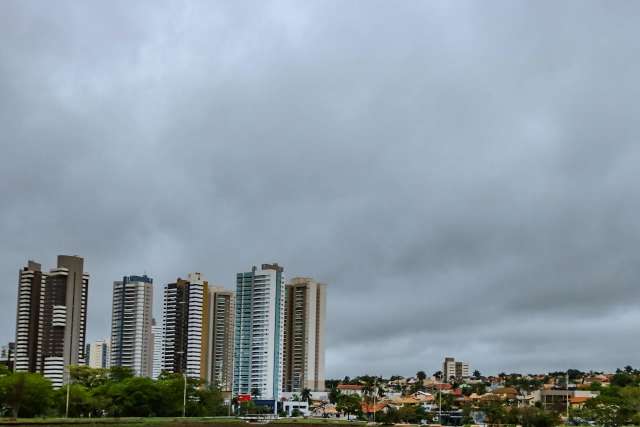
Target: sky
pixel 463 175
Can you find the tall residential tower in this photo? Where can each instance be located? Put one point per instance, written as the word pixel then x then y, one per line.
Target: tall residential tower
pixel 158 349
pixel 186 326
pixel 131 319
pixel 220 352
pixel 257 364
pixel 304 335
pixel 64 318
pixel 28 347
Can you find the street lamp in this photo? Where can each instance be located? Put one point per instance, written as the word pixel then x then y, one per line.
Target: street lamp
pixel 184 397
pixel 440 406
pixel 67 369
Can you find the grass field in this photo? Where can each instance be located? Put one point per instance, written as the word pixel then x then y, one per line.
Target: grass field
pixel 129 422
pixel 166 422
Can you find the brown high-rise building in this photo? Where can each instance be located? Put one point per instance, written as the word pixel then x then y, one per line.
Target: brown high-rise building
pixel 221 329
pixel 303 358
pixel 28 348
pixel 52 317
pixel 186 326
pixel 64 318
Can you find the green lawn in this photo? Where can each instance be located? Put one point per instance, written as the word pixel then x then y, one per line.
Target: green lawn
pixel 129 422
pixel 166 422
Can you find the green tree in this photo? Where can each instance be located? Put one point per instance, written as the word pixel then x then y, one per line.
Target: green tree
pixel 4 370
pixel 419 385
pixel 120 373
pixel 80 402
pixel 494 412
pixel 89 377
pixel 134 397
pixel 27 395
pixel 209 402
pixel 334 395
pixel 623 379
pixel 349 404
pixel 408 414
pixel 306 394
pixel 391 417
pixel 533 417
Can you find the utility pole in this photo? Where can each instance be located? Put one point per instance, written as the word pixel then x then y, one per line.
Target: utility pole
pixel 375 392
pixel 184 397
pixel 567 396
pixel 68 369
pixel 440 407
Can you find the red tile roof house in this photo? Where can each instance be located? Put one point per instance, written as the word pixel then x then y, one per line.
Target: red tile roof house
pixel 444 387
pixel 349 389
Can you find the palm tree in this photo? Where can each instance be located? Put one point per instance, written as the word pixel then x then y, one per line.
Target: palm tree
pixel 306 395
pixel 368 387
pixel 421 376
pixel 334 395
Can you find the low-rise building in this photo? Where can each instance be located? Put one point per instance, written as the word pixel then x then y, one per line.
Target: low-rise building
pixel 349 389
pixel 290 406
pixel 557 399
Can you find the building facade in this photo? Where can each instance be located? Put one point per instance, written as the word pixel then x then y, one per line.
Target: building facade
pixel 186 326
pixel 131 322
pixel 221 327
pixel 304 318
pixel 454 370
pixel 158 349
pixel 258 340
pixel 99 354
pixel 28 344
pixel 63 319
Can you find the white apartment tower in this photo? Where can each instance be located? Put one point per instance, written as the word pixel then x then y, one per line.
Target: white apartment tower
pixel 158 336
pixel 131 318
pixel 99 354
pixel 305 307
pixel 258 341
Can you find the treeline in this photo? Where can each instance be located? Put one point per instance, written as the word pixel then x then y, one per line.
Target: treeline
pixel 617 404
pixel 114 392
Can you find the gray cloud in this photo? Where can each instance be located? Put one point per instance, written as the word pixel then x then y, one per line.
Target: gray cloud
pixel 462 175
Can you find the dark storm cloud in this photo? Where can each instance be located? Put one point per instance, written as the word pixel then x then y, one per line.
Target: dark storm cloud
pixel 462 175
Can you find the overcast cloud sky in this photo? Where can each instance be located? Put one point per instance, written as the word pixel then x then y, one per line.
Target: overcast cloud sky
pixel 463 175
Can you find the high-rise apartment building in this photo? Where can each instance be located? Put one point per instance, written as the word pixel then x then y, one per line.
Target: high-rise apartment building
pixel 186 326
pixel 132 316
pixel 454 370
pixel 221 328
pixel 158 336
pixel 99 354
pixel 305 306
pixel 28 347
pixel 63 318
pixel 259 331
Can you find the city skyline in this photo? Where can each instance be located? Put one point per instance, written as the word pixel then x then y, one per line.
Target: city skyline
pixel 462 175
